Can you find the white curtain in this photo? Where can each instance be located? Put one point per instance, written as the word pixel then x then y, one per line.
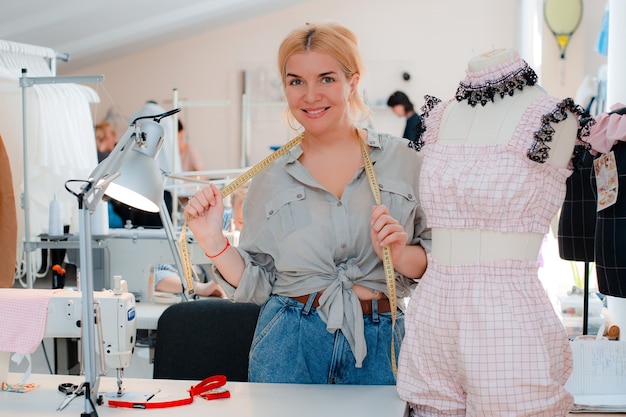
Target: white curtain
pixel 59 132
pixel 63 149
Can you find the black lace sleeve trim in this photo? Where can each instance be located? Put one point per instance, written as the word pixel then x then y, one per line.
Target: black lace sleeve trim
pixel 429 103
pixel 506 85
pixel 582 146
pixel 540 150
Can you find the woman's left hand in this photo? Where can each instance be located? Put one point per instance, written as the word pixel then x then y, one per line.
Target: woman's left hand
pixel 387 231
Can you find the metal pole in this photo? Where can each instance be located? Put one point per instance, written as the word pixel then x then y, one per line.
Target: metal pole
pixel 171 240
pixel 245 121
pixel 87 307
pixel 25 194
pixel 175 157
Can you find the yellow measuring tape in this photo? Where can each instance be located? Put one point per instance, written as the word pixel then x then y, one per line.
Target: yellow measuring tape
pixel 387 261
pixel 228 189
pixel 246 176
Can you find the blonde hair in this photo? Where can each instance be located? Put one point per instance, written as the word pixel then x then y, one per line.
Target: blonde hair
pixel 330 39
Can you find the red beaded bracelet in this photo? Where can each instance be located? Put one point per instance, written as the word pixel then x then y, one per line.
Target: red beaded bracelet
pixel 220 252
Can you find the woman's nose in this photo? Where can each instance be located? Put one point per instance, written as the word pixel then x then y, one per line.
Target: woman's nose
pixel 311 93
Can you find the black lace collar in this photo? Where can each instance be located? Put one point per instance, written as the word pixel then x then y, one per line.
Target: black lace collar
pixel 505 83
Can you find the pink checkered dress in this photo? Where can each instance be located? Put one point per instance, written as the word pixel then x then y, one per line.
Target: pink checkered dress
pixel 483 339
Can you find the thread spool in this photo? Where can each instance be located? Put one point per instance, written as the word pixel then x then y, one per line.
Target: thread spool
pixel 117 288
pixel 55 219
pixel 100 219
pixel 611 330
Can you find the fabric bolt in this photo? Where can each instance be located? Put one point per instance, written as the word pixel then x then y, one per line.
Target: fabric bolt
pixel 494 333
pixel 577 222
pixel 610 236
pixel 302 239
pixel 278 355
pixel 24 315
pixel 482 339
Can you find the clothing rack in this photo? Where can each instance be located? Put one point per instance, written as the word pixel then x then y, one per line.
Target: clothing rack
pixel 26 82
pixel 31 65
pixel 22 49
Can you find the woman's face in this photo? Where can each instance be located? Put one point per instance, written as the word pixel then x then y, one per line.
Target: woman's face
pixel 317 91
pixel 398 109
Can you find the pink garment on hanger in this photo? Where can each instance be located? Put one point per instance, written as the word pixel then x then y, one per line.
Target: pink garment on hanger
pixel 608 130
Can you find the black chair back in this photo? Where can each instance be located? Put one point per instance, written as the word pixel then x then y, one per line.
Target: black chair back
pixel 197 339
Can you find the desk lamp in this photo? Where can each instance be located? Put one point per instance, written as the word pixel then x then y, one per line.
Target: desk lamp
pixel 131 175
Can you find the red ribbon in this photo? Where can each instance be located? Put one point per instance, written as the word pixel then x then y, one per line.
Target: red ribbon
pixel 205 388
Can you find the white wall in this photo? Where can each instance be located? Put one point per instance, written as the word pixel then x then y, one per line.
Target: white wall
pixel 432 40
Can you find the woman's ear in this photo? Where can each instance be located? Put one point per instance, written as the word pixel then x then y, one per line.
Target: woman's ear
pixel 354 83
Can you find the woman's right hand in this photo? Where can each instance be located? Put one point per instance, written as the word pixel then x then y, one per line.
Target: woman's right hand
pixel 205 211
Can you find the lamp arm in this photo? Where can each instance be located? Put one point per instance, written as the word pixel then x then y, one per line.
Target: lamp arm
pixel 158 117
pixel 171 240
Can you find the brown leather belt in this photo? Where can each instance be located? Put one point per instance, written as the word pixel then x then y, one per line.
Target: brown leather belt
pixel 366 305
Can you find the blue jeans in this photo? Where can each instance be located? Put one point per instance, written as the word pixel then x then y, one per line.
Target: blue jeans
pixel 291 345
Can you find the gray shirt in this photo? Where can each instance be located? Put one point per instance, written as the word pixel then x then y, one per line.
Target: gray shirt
pixel 298 238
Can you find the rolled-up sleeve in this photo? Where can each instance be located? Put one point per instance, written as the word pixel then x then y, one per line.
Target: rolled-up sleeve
pixel 256 282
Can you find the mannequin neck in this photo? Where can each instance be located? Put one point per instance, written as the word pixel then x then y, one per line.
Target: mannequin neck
pixel 503 73
pixel 491 59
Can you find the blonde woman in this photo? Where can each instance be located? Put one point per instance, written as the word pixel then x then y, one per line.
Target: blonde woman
pixel 310 247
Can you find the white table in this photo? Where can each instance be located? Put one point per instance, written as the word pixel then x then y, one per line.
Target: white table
pixel 147 314
pixel 247 399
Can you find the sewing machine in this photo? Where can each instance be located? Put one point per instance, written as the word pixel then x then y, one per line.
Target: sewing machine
pixel 115 329
pixel 116 325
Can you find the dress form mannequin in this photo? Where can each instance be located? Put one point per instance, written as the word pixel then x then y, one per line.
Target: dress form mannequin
pixel 482 337
pixel 494 124
pixel 577 222
pixel 608 136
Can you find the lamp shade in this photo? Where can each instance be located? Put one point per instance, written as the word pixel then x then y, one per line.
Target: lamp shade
pixel 140 183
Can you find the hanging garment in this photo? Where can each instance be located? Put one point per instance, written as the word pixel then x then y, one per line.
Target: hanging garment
pixel 62 147
pixel 577 222
pixel 609 135
pixel 610 236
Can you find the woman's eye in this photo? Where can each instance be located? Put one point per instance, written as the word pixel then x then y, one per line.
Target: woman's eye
pixel 295 81
pixel 327 80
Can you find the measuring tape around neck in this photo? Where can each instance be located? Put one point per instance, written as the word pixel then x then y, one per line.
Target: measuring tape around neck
pixel 246 176
pixel 228 189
